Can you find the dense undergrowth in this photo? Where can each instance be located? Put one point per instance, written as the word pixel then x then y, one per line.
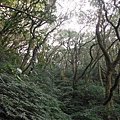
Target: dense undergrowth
pixel 25 100
pixel 24 97
pixel 44 96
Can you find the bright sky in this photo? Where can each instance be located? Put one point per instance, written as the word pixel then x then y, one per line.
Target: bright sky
pixel 66 6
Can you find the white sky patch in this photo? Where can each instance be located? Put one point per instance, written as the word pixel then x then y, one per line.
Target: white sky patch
pixel 73 8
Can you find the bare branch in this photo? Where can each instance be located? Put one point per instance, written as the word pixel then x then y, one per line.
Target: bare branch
pixel 100 40
pixel 111 23
pixel 112 89
pixel 117 59
pixel 89 63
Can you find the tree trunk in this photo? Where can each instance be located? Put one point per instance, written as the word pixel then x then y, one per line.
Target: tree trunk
pixel 108 87
pixel 119 89
pixel 100 74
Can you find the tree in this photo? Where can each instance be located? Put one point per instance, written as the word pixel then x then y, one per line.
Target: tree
pixel 26 26
pixel 104 21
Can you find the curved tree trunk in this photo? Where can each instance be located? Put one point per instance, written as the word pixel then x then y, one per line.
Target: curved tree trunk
pixel 108 87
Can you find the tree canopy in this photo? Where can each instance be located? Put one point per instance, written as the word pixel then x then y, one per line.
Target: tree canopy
pixel 59 60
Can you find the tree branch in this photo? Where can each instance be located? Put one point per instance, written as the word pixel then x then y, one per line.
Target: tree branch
pixel 21 11
pixel 111 23
pixel 117 59
pixel 89 63
pixel 112 89
pixel 100 40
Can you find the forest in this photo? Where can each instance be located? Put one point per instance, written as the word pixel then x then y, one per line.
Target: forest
pixel 59 60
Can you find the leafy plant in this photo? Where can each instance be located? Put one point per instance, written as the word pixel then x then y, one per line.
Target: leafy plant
pixel 25 100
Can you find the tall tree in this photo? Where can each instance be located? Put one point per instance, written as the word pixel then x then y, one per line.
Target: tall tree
pixel 26 26
pixel 104 28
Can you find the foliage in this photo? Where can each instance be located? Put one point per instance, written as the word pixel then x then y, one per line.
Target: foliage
pixel 26 97
pixel 49 72
pixel 25 100
pixel 87 103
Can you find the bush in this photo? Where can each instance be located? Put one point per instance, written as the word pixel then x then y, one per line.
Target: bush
pixel 24 100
